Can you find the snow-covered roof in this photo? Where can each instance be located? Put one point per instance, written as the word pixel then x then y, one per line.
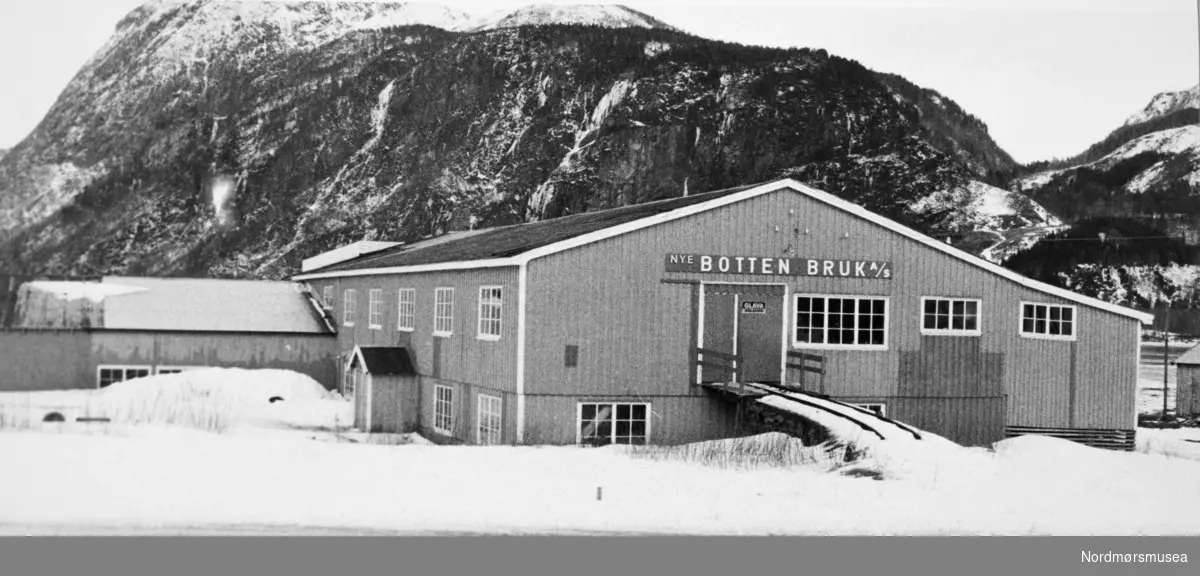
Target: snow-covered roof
pixel 1191 357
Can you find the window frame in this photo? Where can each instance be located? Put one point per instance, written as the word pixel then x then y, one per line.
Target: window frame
pixel 124 368
pixel 438 403
pixel 449 318
pixel 867 406
pixel 612 419
pixel 175 368
pixel 327 297
pixel 349 307
pixel 796 344
pixel 375 308
pixel 411 306
pixel 978 331
pixel 1047 336
pixel 483 405
pixel 499 320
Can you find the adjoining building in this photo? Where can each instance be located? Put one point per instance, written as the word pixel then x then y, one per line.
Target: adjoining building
pixel 1187 383
pixel 89 334
pixel 591 328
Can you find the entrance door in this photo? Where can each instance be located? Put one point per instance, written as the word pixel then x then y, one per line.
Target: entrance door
pixel 746 320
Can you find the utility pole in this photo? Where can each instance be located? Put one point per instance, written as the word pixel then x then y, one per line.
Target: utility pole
pixel 1166 348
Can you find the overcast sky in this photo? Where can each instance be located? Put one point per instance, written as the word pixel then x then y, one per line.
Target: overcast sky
pixel 1049 77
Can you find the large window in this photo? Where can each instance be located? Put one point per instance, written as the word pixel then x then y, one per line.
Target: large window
pixel 348 307
pixel 327 297
pixel 950 316
pixel 1047 321
pixel 489 412
pixel 375 308
pixel 602 423
pixel 840 322
pixel 443 410
pixel 406 309
pixel 443 311
pixel 489 312
pixel 107 375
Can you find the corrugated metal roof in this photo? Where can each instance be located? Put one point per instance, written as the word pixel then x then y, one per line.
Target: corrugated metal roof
pixel 506 241
pixel 385 360
pixel 208 305
pixel 1190 357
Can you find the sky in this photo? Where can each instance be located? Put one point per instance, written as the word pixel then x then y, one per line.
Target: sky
pixel 1049 77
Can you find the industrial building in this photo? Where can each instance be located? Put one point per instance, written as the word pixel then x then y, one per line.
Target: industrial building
pixel 625 325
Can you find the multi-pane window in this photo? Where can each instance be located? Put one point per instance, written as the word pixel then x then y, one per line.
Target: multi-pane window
pixel 443 410
pixel 327 297
pixel 1047 321
pixel 489 312
pixel 375 308
pixel 443 311
pixel 840 321
pixel 111 374
pixel 406 309
pixel 950 316
pixel 613 423
pixel 348 307
pixel 489 411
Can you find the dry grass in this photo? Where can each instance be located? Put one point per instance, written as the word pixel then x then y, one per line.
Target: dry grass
pixel 752 452
pixel 20 411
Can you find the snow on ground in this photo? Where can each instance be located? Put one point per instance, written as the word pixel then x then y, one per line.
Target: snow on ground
pixel 157 479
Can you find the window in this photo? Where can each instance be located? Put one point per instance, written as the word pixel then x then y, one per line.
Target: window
pixel 840 322
pixel 489 312
pixel 489 419
pixel 443 311
pixel 443 410
pixel 406 309
pixel 327 297
pixel 878 408
pixel 613 423
pixel 176 369
pixel 950 316
pixel 1047 321
pixel 108 375
pixel 375 308
pixel 348 308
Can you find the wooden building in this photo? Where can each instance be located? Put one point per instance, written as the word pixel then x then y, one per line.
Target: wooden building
pixel 89 334
pixel 1187 383
pixel 589 328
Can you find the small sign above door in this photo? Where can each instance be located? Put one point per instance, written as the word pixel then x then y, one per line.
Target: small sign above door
pixel 749 307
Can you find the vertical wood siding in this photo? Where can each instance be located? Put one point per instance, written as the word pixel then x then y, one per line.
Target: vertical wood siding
pixel 393 403
pixel 314 355
pixel 632 329
pixel 673 419
pixel 46 360
pixel 466 417
pixel 1187 390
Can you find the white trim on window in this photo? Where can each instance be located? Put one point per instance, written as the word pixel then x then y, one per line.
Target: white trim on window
pixel 824 343
pixel 950 314
pixel 613 420
pixel 375 308
pixel 443 399
pixel 327 297
pixel 349 307
pixel 489 327
pixel 124 370
pixel 1049 323
pixel 176 369
pixel 489 414
pixel 406 309
pixel 443 311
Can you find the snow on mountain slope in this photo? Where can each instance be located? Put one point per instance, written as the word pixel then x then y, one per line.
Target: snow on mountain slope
pixel 607 15
pixel 1175 145
pixel 1166 103
pixel 986 208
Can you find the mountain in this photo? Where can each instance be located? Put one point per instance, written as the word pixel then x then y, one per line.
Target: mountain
pixel 235 139
pixel 1166 104
pixel 608 16
pixel 3 151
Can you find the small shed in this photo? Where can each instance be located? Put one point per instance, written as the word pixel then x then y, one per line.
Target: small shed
pixel 1187 383
pixel 382 381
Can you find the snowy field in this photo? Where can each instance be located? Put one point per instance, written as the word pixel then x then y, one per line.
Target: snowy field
pixel 233 463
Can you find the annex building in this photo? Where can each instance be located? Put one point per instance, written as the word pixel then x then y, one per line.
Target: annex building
pixel 623 325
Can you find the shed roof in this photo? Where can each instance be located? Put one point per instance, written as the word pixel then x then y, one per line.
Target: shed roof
pixel 384 360
pixel 208 305
pixel 1191 357
pixel 517 244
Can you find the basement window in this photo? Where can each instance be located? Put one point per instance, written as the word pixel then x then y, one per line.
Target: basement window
pixel 176 369
pixel 950 316
pixel 840 322
pixel 443 311
pixel 348 307
pixel 603 423
pixel 489 312
pixel 108 375
pixel 443 410
pixel 375 309
pixel 327 297
pixel 490 419
pixel 406 309
pixel 879 408
pixel 1049 321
